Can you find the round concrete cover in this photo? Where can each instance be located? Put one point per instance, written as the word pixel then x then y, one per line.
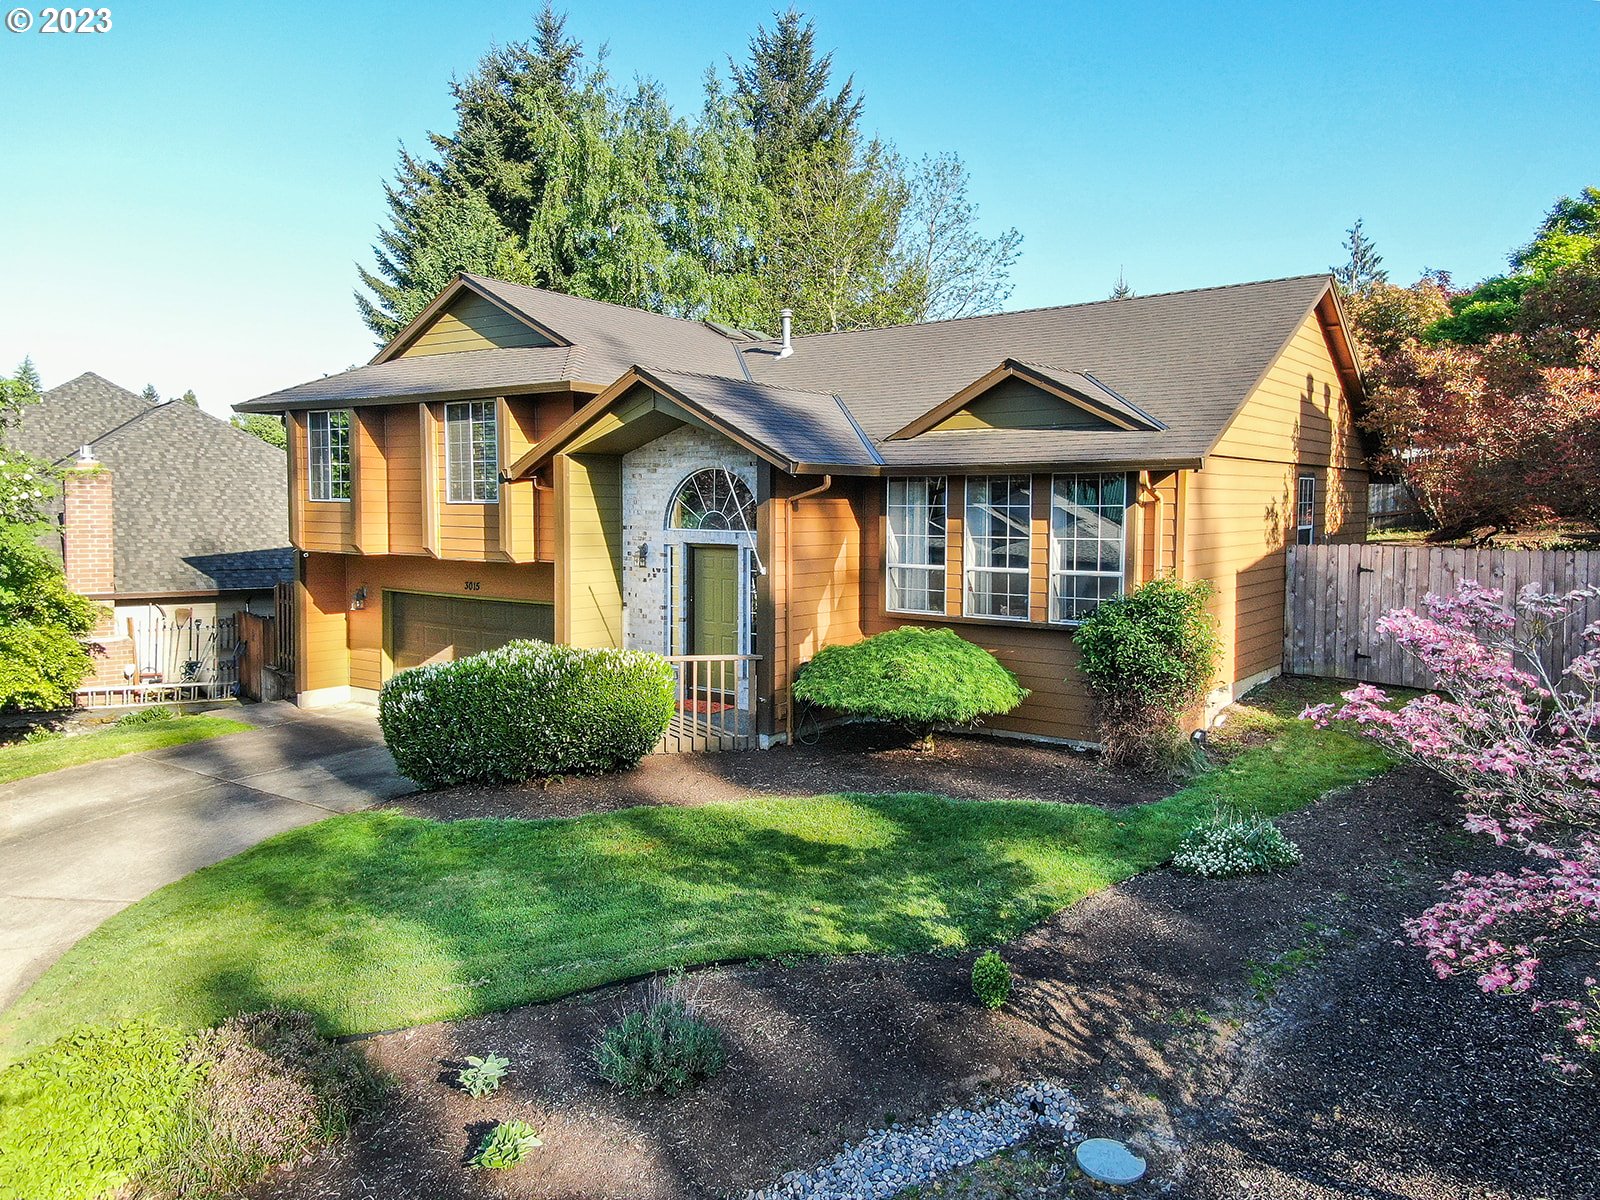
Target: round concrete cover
pixel 1109 1161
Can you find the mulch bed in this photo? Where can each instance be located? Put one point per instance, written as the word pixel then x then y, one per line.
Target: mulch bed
pixel 851 758
pixel 1362 1077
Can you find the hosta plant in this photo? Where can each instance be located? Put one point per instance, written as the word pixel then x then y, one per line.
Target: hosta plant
pixel 1227 844
pixel 481 1076
pixel 504 1146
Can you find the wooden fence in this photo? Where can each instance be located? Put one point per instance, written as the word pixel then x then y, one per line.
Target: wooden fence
pixel 1336 594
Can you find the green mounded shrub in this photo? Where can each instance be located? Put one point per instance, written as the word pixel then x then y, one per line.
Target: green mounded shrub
pixel 98 1109
pixel 663 1045
pixel 504 1146
pixel 525 710
pixel 1225 844
pixel 919 678
pixel 991 979
pixel 143 1107
pixel 1149 657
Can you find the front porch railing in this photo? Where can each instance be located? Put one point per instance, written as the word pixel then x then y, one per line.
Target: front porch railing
pixel 716 703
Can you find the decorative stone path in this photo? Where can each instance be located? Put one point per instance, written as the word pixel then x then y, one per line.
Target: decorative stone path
pixel 887 1161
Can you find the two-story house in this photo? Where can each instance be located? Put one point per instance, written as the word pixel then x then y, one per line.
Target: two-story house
pixel 521 463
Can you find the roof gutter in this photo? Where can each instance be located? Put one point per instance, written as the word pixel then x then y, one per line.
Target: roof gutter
pixel 827 482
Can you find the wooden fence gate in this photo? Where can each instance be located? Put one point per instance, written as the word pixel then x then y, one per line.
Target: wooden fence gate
pixel 1336 594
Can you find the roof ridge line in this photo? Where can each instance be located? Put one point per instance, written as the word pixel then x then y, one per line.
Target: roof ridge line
pixel 693 322
pixel 1017 312
pixel 776 387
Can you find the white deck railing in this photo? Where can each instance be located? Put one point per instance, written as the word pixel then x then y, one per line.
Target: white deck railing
pixel 716 698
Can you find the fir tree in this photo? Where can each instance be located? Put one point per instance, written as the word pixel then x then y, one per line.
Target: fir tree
pixel 28 376
pixel 785 93
pixel 1121 291
pixel 150 395
pixel 1364 268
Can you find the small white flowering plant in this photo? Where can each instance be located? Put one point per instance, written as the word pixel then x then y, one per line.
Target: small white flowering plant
pixel 1227 843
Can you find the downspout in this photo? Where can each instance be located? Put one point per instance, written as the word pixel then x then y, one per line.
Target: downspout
pixel 788 591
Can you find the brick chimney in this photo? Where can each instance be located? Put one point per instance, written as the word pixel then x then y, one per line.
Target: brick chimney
pixel 87 546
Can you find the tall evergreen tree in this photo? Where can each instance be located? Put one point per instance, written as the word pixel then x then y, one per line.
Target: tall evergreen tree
pixel 785 91
pixel 28 375
pixel 1364 267
pixel 150 395
pixel 1121 291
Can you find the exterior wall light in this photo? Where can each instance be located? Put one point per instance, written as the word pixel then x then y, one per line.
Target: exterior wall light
pixel 359 600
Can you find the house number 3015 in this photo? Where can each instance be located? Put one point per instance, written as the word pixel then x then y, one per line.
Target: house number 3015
pixel 472 585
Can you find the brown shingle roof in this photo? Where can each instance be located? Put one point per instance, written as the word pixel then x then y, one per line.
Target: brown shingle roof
pixel 1187 360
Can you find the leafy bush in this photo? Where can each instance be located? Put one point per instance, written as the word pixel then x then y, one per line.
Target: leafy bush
pixel 504 1146
pixel 663 1045
pixel 991 979
pixel 481 1076
pixel 1227 844
pixel 94 1111
pixel 919 678
pixel 142 717
pixel 141 1106
pixel 524 710
pixel 42 655
pixel 1149 657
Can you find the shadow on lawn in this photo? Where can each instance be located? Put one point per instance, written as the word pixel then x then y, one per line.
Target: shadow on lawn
pixel 379 921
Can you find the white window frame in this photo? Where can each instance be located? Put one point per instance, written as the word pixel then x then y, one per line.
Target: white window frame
pixel 896 562
pixel 970 565
pixel 478 486
pixel 322 477
pixel 1063 567
pixel 1305 531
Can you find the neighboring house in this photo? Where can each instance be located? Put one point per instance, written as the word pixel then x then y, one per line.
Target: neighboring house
pixel 170 517
pixel 523 463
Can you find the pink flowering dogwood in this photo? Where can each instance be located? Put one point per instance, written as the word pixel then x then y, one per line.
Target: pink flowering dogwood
pixel 1522 745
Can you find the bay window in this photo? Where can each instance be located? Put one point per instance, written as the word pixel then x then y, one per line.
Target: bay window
pixel 999 523
pixel 1088 519
pixel 915 549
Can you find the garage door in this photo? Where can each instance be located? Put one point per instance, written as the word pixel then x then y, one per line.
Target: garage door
pixel 424 629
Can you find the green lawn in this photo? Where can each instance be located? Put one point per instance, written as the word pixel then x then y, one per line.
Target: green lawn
pixel 35 758
pixel 378 920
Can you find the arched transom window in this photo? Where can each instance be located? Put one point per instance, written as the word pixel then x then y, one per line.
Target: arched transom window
pixel 715 498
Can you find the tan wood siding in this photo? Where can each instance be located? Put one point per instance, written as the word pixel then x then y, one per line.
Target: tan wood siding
pixel 589 562
pixel 473 323
pixel 1238 514
pixel 369 480
pixel 402 439
pixel 321 624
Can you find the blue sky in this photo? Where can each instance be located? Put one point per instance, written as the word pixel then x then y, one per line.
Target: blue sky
pixel 188 195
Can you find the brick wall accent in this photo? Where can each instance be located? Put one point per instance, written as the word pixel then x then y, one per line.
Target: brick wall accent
pixel 650 479
pixel 86 529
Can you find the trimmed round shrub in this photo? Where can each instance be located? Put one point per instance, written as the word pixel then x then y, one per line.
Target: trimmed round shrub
pixel 1227 844
pixel 919 678
pixel 991 979
pixel 525 710
pixel 1149 657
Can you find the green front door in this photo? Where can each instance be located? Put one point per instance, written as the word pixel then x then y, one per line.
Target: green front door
pixel 713 600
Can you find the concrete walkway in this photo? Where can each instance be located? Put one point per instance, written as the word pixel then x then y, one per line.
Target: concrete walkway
pixel 79 844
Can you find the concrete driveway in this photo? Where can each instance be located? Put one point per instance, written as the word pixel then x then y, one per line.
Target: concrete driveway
pixel 79 844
